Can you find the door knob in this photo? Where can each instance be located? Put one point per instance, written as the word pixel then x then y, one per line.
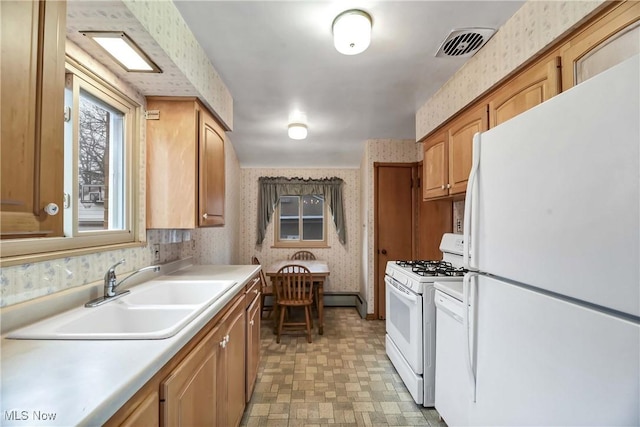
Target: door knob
pixel 384 252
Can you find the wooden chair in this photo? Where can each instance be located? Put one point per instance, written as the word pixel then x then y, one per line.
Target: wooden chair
pixel 294 288
pixel 303 255
pixel 307 255
pixel 265 289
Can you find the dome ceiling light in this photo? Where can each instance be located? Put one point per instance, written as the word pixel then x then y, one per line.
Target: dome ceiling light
pixel 297 130
pixel 352 32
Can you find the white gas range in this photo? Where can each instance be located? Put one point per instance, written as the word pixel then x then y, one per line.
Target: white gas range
pixel 410 312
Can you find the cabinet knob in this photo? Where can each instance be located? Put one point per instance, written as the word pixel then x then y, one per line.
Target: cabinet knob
pixel 251 322
pixel 226 338
pixel 442 187
pixel 255 291
pixel 52 209
pixel 448 185
pixel 205 216
pixel 223 343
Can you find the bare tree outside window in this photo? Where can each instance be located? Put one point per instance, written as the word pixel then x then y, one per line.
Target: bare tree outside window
pixel 93 158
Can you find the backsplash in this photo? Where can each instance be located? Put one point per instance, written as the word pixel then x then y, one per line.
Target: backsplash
pixel 28 281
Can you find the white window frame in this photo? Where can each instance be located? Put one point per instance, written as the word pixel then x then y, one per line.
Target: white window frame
pixel 300 243
pixel 37 249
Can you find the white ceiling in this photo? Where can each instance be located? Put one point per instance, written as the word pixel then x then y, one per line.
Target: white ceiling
pixel 278 56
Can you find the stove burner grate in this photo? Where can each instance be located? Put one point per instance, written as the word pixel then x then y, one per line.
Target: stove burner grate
pixel 432 268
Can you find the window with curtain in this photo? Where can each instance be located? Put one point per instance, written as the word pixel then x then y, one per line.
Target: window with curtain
pixel 299 204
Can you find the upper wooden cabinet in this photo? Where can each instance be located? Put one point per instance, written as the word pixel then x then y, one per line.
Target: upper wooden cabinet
pixel 185 170
pixel 447 154
pixel 435 167
pixel 32 102
pixel 527 89
pixel 609 40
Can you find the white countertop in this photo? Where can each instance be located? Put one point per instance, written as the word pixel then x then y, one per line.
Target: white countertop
pixel 85 382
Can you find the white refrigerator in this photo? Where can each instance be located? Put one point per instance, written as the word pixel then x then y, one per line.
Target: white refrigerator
pixel 552 238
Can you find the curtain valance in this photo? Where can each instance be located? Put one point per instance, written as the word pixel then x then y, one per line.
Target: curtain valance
pixel 270 189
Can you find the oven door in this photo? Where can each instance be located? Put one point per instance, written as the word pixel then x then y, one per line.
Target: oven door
pixel 404 322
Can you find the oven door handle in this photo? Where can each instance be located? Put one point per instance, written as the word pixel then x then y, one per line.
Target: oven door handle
pixel 402 292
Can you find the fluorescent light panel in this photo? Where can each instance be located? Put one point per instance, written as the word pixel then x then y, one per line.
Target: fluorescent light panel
pixel 124 51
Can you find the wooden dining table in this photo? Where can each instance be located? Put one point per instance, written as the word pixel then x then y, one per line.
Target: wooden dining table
pixel 319 271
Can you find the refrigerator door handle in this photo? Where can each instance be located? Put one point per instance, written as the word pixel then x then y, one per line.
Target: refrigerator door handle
pixel 466 292
pixel 470 229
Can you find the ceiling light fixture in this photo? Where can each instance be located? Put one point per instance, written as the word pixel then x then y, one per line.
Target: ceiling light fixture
pixel 352 32
pixel 123 50
pixel 297 130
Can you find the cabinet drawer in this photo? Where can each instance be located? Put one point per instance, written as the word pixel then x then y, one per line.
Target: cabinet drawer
pixel 252 290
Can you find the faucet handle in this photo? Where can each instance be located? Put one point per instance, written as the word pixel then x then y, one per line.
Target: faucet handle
pixel 111 272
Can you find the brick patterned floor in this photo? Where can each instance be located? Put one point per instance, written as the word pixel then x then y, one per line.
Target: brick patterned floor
pixel 343 378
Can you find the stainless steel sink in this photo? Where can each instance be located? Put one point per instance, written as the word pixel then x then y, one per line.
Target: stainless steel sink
pixel 154 310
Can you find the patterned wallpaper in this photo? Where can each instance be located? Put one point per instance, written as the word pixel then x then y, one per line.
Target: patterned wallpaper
pixel 533 27
pixel 378 150
pixel 343 260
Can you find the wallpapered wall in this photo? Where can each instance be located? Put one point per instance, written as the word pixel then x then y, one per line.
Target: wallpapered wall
pixel 533 27
pixel 378 150
pixel 343 260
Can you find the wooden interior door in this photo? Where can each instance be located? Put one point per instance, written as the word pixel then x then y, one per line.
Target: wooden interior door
pixel 394 221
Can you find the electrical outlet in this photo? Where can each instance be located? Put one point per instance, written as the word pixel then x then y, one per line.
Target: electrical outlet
pixel 193 244
pixel 458 226
pixel 156 252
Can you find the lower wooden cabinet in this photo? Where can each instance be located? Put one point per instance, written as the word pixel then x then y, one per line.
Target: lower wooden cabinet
pixel 253 344
pixel 205 384
pixel 146 413
pixel 230 372
pixel 189 394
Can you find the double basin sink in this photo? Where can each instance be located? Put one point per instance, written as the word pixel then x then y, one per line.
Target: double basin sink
pixel 157 309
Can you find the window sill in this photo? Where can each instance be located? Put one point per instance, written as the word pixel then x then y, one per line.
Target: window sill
pixel 306 245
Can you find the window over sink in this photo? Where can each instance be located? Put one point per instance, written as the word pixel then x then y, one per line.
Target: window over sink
pixel 101 134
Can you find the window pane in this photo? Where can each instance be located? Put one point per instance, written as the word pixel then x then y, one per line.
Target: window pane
pixel 100 166
pixel 290 218
pixel 312 217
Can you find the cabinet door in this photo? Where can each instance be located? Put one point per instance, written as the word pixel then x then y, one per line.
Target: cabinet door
pixel 533 86
pixel 253 345
pixel 32 134
pixel 435 167
pixel 146 414
pixel 235 365
pixel 460 142
pixel 189 393
pixel 211 182
pixel 172 159
pixel 608 41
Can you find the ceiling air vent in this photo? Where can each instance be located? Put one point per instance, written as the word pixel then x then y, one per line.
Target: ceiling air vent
pixel 464 42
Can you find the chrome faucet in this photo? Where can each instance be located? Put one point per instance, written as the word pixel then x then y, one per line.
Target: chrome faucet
pixel 110 280
pixel 110 284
